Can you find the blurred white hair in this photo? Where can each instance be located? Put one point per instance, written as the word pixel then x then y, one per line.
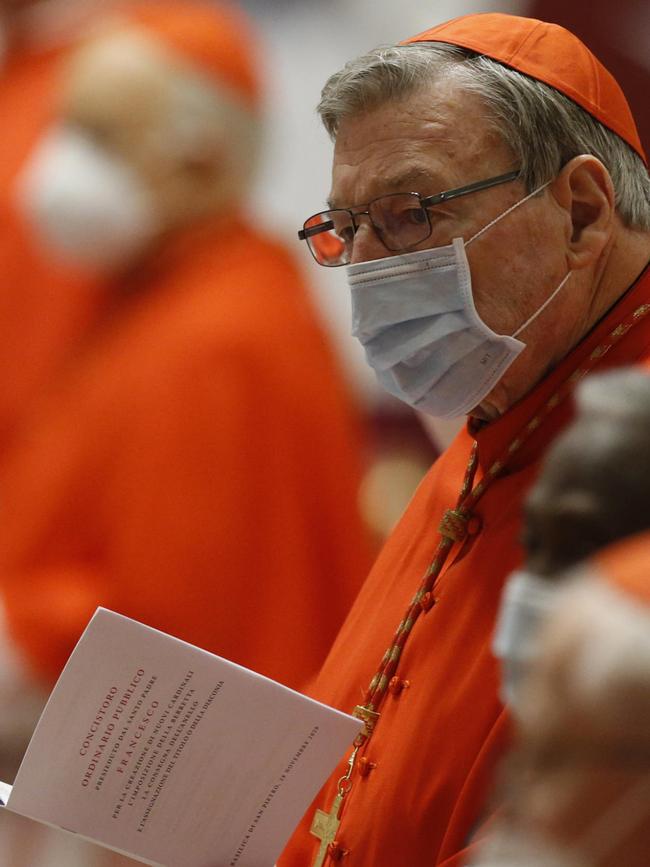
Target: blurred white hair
pixel 604 635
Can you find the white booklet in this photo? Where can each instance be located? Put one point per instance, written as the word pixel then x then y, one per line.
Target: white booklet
pixel 172 755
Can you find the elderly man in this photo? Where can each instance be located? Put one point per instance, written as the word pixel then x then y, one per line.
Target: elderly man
pixel 490 196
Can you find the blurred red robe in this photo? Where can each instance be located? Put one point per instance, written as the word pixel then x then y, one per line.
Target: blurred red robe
pixel 45 306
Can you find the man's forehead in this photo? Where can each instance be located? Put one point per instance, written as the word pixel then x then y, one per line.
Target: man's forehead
pixel 426 142
pixel 405 179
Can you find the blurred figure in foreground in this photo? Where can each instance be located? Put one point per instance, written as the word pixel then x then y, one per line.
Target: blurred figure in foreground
pixel 576 646
pixel 593 491
pixel 198 468
pixel 579 783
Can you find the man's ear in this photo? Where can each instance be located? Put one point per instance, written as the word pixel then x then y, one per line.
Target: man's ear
pixel 584 189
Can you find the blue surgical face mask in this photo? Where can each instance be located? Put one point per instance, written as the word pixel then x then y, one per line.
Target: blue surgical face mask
pixel 415 317
pixel 526 602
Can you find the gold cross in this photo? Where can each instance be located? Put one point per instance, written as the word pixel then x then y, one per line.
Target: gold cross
pixel 324 827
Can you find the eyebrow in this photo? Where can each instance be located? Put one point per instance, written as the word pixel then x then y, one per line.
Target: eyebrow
pixel 404 182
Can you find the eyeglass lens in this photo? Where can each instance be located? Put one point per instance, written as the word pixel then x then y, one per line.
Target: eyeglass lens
pixel 399 219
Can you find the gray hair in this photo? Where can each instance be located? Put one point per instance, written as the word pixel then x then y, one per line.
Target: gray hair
pixel 605 635
pixel 603 453
pixel 202 118
pixel 621 395
pixel 543 128
pixel 207 118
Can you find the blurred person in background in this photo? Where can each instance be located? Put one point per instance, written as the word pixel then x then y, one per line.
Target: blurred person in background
pixel 45 303
pixel 592 492
pixel 490 197
pixel 197 467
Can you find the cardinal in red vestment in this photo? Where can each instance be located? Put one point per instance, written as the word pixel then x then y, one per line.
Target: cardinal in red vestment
pixel 490 199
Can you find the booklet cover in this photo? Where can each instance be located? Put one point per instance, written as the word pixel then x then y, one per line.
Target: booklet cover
pixel 172 755
pixel 5 791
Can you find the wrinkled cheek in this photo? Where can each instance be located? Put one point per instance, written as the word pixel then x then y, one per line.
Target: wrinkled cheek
pixel 491 300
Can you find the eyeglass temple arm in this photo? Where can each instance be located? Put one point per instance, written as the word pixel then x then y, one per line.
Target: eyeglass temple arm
pixel 470 188
pixel 310 231
pixel 303 234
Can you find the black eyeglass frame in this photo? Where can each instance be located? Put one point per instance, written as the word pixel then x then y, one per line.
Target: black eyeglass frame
pixel 427 202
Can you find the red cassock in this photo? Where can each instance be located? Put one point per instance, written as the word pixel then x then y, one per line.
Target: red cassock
pixel 198 469
pixel 419 792
pixel 44 306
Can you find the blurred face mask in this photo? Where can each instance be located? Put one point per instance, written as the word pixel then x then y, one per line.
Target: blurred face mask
pixel 526 602
pixel 415 317
pixel 86 205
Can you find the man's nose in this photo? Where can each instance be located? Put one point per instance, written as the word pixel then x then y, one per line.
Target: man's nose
pixel 366 245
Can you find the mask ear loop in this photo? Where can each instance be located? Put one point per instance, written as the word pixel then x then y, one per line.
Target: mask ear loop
pixel 496 220
pixel 542 308
pixel 505 213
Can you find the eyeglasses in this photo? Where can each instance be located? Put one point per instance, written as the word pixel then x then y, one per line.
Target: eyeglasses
pixel 401 221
